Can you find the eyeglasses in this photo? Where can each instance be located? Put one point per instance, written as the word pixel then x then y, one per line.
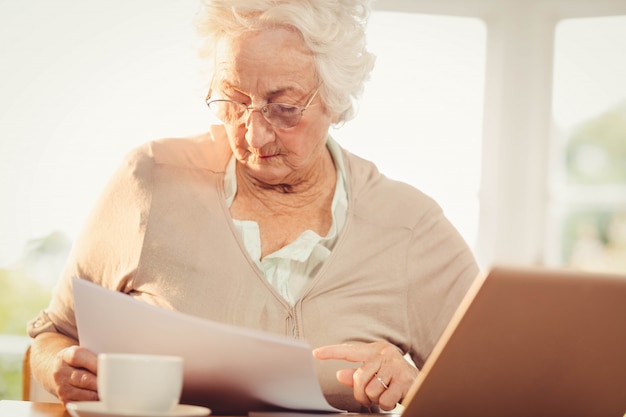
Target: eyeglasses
pixel 279 115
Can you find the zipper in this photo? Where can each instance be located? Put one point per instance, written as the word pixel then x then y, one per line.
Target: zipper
pixel 292 325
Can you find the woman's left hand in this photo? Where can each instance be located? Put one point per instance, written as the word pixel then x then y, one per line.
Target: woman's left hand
pixel 383 378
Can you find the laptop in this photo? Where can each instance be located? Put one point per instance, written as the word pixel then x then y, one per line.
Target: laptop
pixel 529 342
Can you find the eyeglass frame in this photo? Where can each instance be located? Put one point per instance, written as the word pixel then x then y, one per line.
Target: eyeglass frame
pixel 263 109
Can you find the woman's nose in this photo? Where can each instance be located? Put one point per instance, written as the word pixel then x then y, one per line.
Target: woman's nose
pixel 259 132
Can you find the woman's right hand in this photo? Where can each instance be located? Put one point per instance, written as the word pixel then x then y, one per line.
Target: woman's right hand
pixel 74 374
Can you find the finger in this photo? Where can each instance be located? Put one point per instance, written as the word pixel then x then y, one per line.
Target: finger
pixel 83 379
pixel 366 388
pixel 68 393
pixel 399 384
pixel 389 399
pixel 80 357
pixel 386 394
pixel 345 376
pixel 346 351
pixel 372 390
pixel 371 395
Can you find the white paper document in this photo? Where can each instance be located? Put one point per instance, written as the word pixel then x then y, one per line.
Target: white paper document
pixel 227 368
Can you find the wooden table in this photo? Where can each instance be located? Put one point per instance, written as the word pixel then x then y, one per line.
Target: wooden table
pixel 33 409
pixel 30 409
pixel 10 408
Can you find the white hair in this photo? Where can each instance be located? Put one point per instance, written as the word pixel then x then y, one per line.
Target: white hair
pixel 334 31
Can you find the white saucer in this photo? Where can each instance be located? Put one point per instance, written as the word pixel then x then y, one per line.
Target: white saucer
pixel 96 409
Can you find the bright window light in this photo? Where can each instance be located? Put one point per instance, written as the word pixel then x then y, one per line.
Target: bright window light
pixel 94 81
pixel 588 184
pixel 420 119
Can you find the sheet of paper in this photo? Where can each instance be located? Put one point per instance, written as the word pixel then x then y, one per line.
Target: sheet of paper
pixel 228 369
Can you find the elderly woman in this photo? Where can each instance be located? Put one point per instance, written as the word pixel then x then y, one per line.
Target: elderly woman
pixel 266 222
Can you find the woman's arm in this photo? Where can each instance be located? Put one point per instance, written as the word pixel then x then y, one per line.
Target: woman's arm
pixel 64 368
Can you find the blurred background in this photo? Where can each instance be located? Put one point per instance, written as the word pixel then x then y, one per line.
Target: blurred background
pixel 510 113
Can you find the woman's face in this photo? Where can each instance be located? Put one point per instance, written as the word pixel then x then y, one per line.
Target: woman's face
pixel 272 66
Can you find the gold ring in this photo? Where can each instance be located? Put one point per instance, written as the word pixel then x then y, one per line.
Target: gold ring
pixel 382 382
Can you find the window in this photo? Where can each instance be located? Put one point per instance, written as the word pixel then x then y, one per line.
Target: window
pixel 420 119
pixel 588 186
pixel 82 83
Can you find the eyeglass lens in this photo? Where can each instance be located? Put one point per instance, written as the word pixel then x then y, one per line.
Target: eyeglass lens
pixel 277 114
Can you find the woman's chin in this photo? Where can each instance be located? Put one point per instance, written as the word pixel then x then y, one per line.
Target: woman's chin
pixel 267 174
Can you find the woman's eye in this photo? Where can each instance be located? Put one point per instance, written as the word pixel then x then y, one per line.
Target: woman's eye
pixel 285 108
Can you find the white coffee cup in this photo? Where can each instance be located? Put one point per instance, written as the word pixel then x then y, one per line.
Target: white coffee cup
pixel 137 383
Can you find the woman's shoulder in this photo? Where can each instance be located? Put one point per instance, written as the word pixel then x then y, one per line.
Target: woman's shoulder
pixel 377 196
pixel 208 151
pixel 365 179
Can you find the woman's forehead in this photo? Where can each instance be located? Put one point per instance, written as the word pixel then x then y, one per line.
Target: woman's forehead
pixel 269 55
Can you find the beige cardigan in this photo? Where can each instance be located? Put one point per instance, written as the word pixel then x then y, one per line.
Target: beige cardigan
pixel 162 233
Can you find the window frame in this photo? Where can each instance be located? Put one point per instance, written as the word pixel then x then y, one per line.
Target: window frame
pixel 517 124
